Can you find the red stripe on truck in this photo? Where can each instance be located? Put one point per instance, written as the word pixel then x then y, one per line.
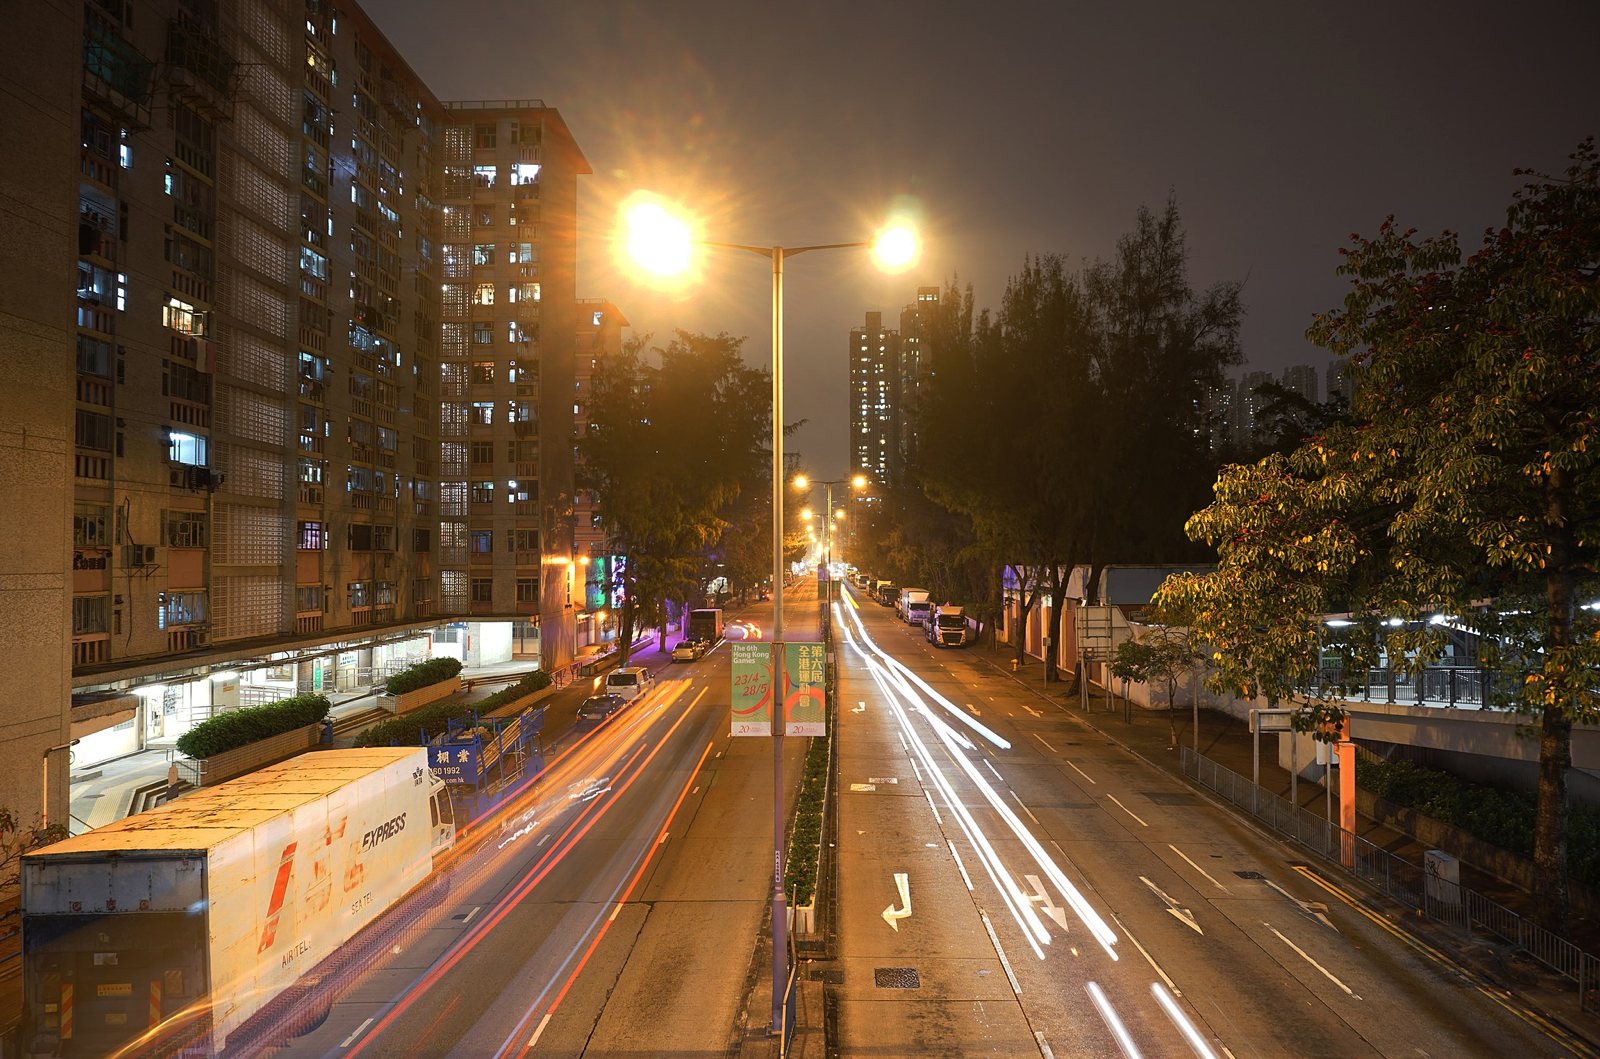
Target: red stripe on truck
pixel 280 889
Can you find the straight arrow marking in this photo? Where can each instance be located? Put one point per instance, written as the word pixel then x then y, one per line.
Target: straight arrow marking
pixel 1040 897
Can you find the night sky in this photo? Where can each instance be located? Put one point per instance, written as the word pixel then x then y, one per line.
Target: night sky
pixel 1020 128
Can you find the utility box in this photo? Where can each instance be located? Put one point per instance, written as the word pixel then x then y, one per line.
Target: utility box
pixel 1442 877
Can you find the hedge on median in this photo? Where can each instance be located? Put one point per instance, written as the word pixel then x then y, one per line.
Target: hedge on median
pixel 419 726
pixel 422 674
pixel 237 728
pixel 805 841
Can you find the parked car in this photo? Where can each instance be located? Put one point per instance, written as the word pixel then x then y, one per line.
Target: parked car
pixel 597 709
pixel 630 683
pixel 689 650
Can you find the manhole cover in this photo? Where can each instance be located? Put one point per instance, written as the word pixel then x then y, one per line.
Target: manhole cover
pixel 1171 797
pixel 1249 875
pixel 896 978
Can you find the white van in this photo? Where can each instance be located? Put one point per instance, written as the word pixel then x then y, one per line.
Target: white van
pixel 909 595
pixel 630 683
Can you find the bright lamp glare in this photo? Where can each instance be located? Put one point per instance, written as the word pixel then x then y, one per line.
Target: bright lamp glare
pixel 859 481
pixel 801 481
pixel 895 248
pixel 657 241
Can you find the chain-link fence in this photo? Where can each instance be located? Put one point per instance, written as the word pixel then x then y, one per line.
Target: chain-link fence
pixel 1432 895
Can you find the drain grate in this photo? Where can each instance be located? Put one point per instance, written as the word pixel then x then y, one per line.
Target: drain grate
pixel 896 978
pixel 1249 875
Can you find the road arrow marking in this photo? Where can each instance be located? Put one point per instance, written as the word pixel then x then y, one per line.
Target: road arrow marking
pixel 1040 897
pixel 860 707
pixel 1181 914
pixel 1314 909
pixel 974 710
pixel 893 915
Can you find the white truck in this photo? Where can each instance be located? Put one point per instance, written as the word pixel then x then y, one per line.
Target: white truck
pixel 199 913
pixel 947 627
pixel 907 596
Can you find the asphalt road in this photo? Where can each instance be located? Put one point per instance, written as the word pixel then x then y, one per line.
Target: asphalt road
pixel 611 911
pixel 1062 897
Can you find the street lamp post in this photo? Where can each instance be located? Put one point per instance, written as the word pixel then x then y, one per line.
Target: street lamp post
pixel 662 243
pixel 856 481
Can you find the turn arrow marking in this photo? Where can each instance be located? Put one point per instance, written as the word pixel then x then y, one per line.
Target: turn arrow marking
pixel 893 915
pixel 1182 915
pixel 1040 897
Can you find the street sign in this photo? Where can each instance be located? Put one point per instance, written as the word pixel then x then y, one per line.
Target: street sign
pixel 454 764
pixel 804 709
pixel 1271 720
pixel 752 688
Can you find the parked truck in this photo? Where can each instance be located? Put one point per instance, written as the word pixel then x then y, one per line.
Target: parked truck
pixel 705 624
pixel 947 627
pixel 906 598
pixel 191 918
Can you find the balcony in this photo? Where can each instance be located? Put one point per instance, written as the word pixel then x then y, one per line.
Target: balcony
pixel 115 72
pixel 199 70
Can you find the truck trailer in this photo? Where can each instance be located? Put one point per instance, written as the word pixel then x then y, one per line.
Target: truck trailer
pixel 202 911
pixel 705 624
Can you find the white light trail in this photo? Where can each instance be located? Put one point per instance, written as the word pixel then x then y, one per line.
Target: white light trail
pixel 1181 1020
pixel 1113 1021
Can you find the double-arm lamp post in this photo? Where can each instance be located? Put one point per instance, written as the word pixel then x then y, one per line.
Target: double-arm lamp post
pixel 858 481
pixel 662 243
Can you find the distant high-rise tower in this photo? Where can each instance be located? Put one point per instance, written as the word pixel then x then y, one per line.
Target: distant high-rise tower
pixel 1247 409
pixel 915 320
pixel 1340 382
pixel 874 403
pixel 1301 379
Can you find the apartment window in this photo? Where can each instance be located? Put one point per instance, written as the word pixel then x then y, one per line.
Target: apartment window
pixel 483 135
pixel 482 542
pixel 527 590
pixel 483 334
pixel 483 253
pixel 89 614
pixel 483 492
pixel 482 590
pixel 313 537
pixel 181 317
pixel 421 541
pixel 483 294
pixel 94 356
pixel 89 526
pixel 359 537
pixel 383 593
pixel 524 540
pixel 521 253
pixel 524 172
pixel 482 412
pixel 484 176
pixel 522 292
pixel 180 608
pixel 359 595
pixel 482 452
pixel 308 599
pixel 484 216
pixel 94 431
pixel 183 529
pixel 482 372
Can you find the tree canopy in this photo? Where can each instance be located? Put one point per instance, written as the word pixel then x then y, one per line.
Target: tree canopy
pixel 1464 484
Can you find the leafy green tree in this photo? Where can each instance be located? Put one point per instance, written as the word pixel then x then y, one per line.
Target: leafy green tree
pixel 677 437
pixel 1467 471
pixel 1166 653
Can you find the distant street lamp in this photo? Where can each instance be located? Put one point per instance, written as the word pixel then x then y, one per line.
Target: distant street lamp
pixel 662 243
pixel 855 481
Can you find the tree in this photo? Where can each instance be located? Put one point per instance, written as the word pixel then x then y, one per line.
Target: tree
pixel 1468 470
pixel 15 840
pixel 1166 653
pixel 677 436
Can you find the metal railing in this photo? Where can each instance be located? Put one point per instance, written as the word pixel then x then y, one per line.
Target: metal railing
pixel 1433 896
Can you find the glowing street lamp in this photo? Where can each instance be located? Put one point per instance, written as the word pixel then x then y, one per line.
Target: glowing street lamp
pixel 661 243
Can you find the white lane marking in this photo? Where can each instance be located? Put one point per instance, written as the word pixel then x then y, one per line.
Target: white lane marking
pixel 1082 773
pixel 903 743
pixel 991 768
pixel 1044 1045
pixel 1030 709
pixel 1113 1022
pixel 962 868
pixel 1042 897
pixel 1125 809
pixel 935 808
pixel 893 915
pixel 1307 957
pixel 1025 809
pixel 1151 960
pixel 1315 909
pixel 468 918
pixel 974 710
pixel 1181 914
pixel 1047 746
pixel 1197 867
pixel 359 1031
pixel 696 789
pixel 917 769
pixel 1011 976
pixel 539 1029
pixel 663 839
pixel 1190 1033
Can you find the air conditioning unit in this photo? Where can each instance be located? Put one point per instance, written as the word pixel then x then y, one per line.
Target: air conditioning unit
pixel 134 555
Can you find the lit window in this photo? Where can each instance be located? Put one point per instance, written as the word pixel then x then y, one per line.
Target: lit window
pixel 484 175
pixel 483 294
pixel 525 172
pixel 185 448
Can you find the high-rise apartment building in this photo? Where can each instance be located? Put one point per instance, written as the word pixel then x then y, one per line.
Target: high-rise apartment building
pixel 1339 381
pixel 916 320
pixel 321 331
pixel 874 404
pixel 1301 379
pixel 600 325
